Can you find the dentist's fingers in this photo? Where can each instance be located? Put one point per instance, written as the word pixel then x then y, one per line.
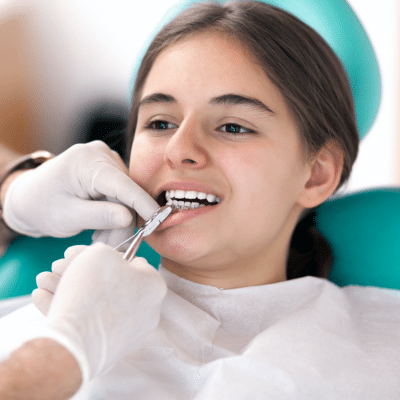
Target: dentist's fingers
pixel 114 237
pixel 48 281
pixel 98 215
pixel 73 251
pixel 112 183
pixel 59 266
pixel 42 300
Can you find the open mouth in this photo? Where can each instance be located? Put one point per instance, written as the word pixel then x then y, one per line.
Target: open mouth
pixel 182 200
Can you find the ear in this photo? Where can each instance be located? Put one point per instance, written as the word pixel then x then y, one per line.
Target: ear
pixel 325 174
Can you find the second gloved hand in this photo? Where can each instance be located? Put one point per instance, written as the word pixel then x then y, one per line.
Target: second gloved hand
pixel 104 307
pixel 58 198
pixel 47 281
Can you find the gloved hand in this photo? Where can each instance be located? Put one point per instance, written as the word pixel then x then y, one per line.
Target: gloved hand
pixel 47 281
pixel 56 198
pixel 104 307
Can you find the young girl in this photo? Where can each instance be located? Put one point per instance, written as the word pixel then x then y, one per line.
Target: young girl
pixel 247 104
pixel 243 117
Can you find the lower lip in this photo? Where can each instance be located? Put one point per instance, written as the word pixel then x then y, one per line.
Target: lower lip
pixel 182 216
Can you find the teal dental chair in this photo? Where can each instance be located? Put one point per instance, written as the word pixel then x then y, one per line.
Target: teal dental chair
pixel 363 229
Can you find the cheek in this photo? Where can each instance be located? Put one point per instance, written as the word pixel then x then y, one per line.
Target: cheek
pixel 251 170
pixel 145 159
pixel 249 176
pixel 263 177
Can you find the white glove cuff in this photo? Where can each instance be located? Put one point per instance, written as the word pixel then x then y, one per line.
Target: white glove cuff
pixel 76 349
pixel 10 219
pixel 46 331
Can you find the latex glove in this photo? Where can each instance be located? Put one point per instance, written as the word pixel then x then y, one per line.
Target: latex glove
pixel 104 307
pixel 47 281
pixel 56 198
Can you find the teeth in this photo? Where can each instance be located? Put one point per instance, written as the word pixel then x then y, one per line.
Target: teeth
pixel 179 194
pixel 210 198
pixel 190 195
pixel 173 203
pixel 172 196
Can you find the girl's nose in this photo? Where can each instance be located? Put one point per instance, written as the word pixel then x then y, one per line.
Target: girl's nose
pixel 186 147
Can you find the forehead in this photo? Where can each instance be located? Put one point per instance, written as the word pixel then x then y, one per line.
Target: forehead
pixel 210 62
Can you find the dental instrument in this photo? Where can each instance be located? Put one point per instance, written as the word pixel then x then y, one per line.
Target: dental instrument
pixel 145 230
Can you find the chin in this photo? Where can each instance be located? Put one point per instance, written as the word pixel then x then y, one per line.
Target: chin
pixel 182 250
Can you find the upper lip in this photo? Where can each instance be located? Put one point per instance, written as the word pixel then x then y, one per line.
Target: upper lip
pixel 186 186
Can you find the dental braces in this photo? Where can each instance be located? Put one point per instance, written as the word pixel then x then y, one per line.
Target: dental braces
pixel 182 205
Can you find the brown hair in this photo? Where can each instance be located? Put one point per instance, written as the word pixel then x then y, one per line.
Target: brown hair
pixel 296 59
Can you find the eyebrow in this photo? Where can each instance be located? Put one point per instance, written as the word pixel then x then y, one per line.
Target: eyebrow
pixel 157 98
pixel 236 99
pixel 225 99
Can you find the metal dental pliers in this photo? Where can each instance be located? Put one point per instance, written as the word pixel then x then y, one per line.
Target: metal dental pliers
pixel 145 230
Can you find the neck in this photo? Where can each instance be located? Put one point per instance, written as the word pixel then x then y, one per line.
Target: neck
pixel 240 273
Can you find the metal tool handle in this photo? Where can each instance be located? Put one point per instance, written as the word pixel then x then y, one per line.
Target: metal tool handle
pixel 148 227
pixel 130 254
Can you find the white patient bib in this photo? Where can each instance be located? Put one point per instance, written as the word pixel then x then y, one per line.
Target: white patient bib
pixel 303 339
pixel 300 339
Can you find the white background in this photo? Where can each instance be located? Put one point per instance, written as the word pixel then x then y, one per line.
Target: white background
pixel 378 163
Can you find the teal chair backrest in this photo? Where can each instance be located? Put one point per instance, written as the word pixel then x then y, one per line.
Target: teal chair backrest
pixel 363 230
pixel 26 257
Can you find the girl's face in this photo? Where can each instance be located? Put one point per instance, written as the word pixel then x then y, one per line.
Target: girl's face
pixel 211 121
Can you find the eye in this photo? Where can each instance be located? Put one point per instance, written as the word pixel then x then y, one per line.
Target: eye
pixel 160 125
pixel 235 129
